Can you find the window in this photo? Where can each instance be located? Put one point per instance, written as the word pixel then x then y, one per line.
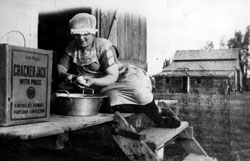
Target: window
pixel 167 80
pixel 198 80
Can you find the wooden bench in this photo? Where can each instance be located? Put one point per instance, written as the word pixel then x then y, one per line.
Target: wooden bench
pixel 161 136
pixel 54 133
pixel 140 140
pixel 135 134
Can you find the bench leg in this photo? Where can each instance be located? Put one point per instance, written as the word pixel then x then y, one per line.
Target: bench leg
pixel 189 143
pixel 133 147
pixel 160 153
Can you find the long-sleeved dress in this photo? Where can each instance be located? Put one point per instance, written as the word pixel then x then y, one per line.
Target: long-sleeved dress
pixel 133 85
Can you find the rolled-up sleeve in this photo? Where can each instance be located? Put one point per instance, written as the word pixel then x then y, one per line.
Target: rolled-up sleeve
pixel 108 58
pixel 64 63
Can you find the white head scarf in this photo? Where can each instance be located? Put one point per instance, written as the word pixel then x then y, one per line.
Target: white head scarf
pixel 83 23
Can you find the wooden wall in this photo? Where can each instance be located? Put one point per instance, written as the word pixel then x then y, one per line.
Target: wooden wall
pixel 128 32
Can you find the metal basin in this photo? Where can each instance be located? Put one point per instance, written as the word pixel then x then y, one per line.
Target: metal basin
pixel 75 104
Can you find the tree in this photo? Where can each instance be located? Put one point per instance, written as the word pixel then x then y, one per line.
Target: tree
pixel 246 40
pixel 209 45
pixel 166 63
pixel 243 42
pixel 237 41
pixel 222 44
pixel 244 59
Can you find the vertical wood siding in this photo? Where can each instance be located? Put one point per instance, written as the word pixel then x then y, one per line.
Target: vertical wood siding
pixel 129 33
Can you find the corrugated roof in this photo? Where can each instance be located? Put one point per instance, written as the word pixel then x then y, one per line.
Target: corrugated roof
pixel 213 54
pixel 200 68
pixel 203 65
pixel 183 73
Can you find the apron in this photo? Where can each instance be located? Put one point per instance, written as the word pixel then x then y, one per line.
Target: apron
pixel 133 85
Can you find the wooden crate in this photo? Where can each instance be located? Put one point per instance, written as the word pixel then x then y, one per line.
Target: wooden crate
pixel 25 85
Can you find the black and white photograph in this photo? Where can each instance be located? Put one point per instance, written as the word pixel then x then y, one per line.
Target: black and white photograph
pixel 124 80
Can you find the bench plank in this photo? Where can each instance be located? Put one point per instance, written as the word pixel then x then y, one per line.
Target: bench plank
pixel 134 149
pixel 159 136
pixel 58 124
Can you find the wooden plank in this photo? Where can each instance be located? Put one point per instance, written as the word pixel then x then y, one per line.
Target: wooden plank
pixel 30 131
pixel 58 124
pixel 135 150
pixel 121 35
pixel 112 36
pixel 97 13
pixel 129 40
pixel 160 136
pixel 71 123
pixel 129 36
pixel 192 146
pixel 105 23
pixel 143 39
pixel 136 38
pixel 126 37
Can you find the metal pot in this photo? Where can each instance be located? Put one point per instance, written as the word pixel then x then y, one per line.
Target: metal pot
pixel 76 104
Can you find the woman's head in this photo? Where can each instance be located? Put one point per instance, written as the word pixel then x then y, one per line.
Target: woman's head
pixel 83 28
pixel 84 40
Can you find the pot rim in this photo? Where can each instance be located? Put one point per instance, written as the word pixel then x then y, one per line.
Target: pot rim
pixel 78 95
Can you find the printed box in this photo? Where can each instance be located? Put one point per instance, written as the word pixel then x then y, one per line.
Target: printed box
pixel 25 85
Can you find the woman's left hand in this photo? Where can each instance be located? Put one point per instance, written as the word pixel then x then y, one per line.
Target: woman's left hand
pixel 85 81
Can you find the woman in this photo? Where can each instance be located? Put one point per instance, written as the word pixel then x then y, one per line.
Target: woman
pixel 92 62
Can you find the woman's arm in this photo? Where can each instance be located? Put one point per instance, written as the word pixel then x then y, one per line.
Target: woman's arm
pixel 111 76
pixel 63 68
pixel 109 63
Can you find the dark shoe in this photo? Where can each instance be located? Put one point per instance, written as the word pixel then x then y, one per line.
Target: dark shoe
pixel 170 119
pixel 168 122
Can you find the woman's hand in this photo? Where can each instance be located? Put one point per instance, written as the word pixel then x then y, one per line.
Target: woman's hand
pixel 85 81
pixel 111 76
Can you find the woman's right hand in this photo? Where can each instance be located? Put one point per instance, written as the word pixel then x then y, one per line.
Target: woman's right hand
pixel 86 81
pixel 81 80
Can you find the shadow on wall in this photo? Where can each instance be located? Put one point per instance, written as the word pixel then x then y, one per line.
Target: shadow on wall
pixel 53 29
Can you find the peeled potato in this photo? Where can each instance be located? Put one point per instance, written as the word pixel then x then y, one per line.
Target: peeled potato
pixel 81 80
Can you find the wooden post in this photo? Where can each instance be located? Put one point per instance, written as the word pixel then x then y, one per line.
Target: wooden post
pixel 135 149
pixel 188 84
pixel 189 143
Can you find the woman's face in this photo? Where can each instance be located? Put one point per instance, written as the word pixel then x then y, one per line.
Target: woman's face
pixel 84 40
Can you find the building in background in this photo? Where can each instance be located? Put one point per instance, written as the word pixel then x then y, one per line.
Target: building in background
pixel 201 71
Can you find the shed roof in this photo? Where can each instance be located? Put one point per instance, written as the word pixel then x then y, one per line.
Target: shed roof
pixel 212 54
pixel 200 69
pixel 204 65
pixel 183 73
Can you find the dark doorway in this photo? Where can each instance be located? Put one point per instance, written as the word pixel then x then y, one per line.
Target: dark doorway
pixel 54 34
pixel 53 29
